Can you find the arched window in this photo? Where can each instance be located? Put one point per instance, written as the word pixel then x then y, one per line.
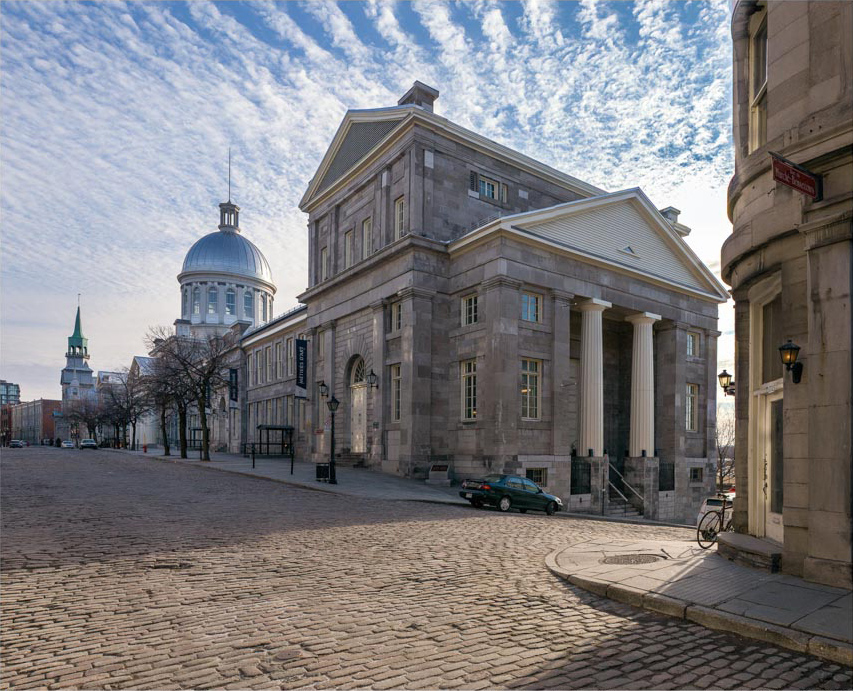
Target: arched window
pixel 196 301
pixel 358 372
pixel 248 307
pixel 212 300
pixel 230 302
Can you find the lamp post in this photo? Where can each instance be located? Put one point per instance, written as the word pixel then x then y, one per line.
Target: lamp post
pixel 789 353
pixel 726 383
pixel 333 406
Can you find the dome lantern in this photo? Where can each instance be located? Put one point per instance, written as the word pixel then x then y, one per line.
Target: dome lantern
pixel 229 216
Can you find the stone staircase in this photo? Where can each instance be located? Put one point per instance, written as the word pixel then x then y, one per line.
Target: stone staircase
pixel 618 507
pixel 347 459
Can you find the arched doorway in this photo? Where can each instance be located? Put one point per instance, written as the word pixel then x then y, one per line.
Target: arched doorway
pixel 358 407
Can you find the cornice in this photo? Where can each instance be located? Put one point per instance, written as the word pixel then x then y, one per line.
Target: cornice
pixel 828 231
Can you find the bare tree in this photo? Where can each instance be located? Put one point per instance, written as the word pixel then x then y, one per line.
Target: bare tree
pixel 89 412
pixel 169 385
pixel 199 364
pixel 125 401
pixel 724 435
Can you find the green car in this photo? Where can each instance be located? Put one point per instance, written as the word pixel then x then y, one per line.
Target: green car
pixel 509 492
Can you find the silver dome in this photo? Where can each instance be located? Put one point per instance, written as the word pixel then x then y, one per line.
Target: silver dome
pixel 228 252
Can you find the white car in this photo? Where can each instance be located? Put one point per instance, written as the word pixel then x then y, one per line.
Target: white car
pixel 67 444
pixel 714 503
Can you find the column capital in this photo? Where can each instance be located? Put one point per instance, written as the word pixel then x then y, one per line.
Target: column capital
pixel 594 305
pixel 325 326
pixel 643 318
pixel 500 282
pixel 411 292
pixel 561 295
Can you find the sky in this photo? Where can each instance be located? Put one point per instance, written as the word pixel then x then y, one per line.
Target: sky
pixel 116 119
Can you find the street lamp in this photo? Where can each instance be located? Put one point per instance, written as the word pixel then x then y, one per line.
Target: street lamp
pixel 333 406
pixel 371 380
pixel 726 383
pixel 324 390
pixel 789 353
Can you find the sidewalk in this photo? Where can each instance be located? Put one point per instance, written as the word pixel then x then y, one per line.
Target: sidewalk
pixel 682 580
pixel 674 578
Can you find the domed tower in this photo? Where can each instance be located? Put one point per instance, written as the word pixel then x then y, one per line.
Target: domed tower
pixel 224 279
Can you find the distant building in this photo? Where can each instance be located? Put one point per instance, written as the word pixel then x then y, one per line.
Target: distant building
pixel 5 424
pixel 789 261
pixel 34 421
pixel 10 394
pixel 77 379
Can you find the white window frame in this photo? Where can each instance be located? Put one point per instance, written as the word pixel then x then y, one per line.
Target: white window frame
pixel 692 344
pixel 231 302
pixel 396 389
pixel 197 300
pixel 531 389
pixel 399 217
pixel 396 317
pixel 691 408
pixel 366 238
pixel 757 82
pixel 278 360
pixel 468 389
pixel 526 299
pixel 470 310
pixel 289 356
pixel 249 305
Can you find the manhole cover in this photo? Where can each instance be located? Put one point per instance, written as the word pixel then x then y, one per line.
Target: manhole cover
pixel 631 559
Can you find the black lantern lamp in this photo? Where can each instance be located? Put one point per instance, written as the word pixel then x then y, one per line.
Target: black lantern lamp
pixel 371 380
pixel 789 353
pixel 726 383
pixel 333 406
pixel 324 390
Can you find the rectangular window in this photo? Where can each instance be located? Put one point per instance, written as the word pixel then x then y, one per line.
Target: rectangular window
pixel 468 370
pixel 247 305
pixel 396 383
pixel 366 238
pixel 396 316
pixel 692 344
pixel 269 363
pixel 212 301
pixel 324 264
pixel 230 302
pixel 399 218
pixel 537 475
pixel 257 367
pixel 489 188
pixel 771 339
pixel 469 310
pixel 233 389
pixel 758 80
pixel 696 474
pixel 348 249
pixel 692 408
pixel 531 307
pixel 278 361
pixel 530 370
pixel 290 360
pixel 486 188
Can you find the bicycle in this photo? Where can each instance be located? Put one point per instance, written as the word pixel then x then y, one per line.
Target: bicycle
pixel 713 523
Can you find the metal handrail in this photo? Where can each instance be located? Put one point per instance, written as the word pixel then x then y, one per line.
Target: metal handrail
pixel 626 483
pixel 624 498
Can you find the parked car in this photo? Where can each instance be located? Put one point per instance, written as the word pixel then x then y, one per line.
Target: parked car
pixel 509 492
pixel 16 444
pixel 68 444
pixel 88 444
pixel 714 503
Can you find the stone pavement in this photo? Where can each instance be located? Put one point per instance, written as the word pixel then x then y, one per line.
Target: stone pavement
pixel 119 572
pixel 682 580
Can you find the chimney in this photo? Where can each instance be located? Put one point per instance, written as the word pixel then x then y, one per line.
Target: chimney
pixel 420 95
pixel 670 213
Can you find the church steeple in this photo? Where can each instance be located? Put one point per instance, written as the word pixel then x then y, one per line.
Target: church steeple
pixel 78 346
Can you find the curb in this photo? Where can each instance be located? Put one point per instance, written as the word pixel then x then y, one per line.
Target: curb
pixel 829 649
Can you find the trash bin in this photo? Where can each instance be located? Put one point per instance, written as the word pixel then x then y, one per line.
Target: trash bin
pixel 322 472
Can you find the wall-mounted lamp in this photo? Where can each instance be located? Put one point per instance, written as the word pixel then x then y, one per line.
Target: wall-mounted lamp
pixel 324 390
pixel 726 383
pixel 372 379
pixel 789 353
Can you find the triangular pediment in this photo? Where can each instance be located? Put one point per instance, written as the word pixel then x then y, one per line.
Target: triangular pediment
pixel 623 230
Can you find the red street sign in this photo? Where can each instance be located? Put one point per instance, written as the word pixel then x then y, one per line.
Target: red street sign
pixel 794 176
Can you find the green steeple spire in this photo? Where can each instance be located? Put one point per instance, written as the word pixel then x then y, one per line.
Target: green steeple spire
pixel 78 346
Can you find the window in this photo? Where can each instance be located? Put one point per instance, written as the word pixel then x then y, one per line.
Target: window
pixel 233 389
pixel 399 218
pixel 278 371
pixel 692 344
pixel 184 305
pixel 230 302
pixel 395 392
pixel 691 408
pixel 270 363
pixel 469 389
pixel 696 474
pixel 530 389
pixel 771 339
pixel 348 249
pixel 263 308
pixel 537 475
pixel 257 367
pixel 758 80
pixel 367 238
pixel 289 357
pixel 196 301
pixel 212 300
pixel 531 307
pixel 469 310
pixel 248 307
pixel 486 188
pixel 324 264
pixel 248 368
pixel 396 316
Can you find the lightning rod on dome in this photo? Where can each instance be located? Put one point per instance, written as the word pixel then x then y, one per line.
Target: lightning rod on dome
pixel 229 174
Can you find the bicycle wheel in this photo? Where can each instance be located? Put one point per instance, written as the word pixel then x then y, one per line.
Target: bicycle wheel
pixel 709 527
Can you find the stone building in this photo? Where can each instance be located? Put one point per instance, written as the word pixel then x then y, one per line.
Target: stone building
pixel 513 315
pixel 788 261
pixel 34 421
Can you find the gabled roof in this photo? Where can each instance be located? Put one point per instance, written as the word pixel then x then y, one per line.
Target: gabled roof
pixel 145 365
pixel 623 231
pixel 362 134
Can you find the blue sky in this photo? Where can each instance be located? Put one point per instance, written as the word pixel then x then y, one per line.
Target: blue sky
pixel 117 118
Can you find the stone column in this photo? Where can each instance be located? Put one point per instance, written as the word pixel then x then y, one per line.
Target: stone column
pixel 561 392
pixel 642 442
pixel 592 378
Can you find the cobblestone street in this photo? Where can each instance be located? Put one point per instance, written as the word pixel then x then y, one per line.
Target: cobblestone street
pixel 120 572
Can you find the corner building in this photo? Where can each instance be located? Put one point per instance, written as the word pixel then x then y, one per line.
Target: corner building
pixel 514 316
pixel 789 261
